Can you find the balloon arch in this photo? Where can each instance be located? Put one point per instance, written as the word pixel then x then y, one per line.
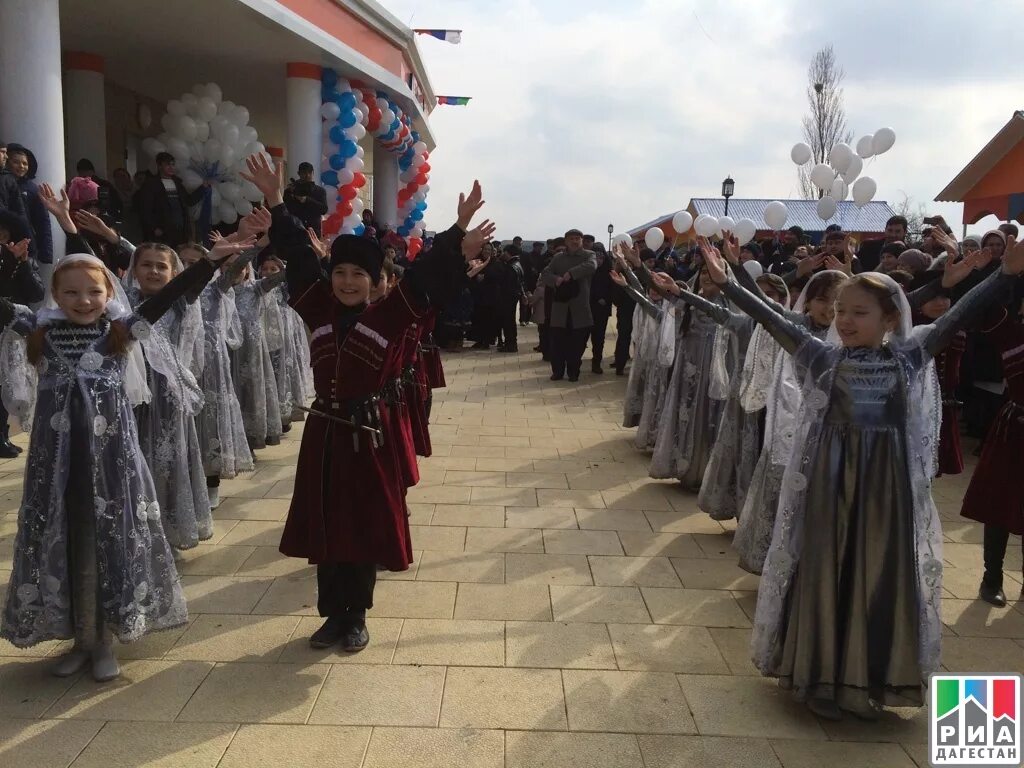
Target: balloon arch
pixel 349 112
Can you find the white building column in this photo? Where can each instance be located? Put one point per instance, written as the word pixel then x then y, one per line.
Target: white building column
pixel 85 111
pixel 305 137
pixel 385 186
pixel 31 110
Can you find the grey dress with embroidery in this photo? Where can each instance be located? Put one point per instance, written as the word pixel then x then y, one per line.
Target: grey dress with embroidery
pixel 87 489
pixel 689 419
pixel 251 367
pixel 167 431
pixel 848 607
pixel 219 424
pixel 289 353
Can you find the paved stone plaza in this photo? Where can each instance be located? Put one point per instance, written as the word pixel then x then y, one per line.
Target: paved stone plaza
pixel 564 610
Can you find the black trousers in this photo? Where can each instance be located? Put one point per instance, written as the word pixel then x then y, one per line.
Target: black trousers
pixel 544 340
pixel 566 348
pixel 345 588
pixel 624 331
pixel 213 481
pixel 996 539
pixel 509 328
pixel 4 427
pixel 599 329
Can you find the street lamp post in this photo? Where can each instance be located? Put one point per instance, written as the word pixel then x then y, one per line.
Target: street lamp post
pixel 728 187
pixel 611 228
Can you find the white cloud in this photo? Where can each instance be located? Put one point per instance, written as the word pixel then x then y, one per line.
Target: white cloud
pixel 585 113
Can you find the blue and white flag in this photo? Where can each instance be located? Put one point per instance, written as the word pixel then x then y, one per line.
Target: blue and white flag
pixel 453 36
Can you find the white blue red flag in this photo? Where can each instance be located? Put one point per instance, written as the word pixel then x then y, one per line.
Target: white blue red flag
pixel 453 36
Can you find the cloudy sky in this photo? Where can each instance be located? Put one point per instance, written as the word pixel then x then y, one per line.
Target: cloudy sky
pixel 590 112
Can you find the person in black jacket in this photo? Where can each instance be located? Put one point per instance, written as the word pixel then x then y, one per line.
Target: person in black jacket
pixel 305 199
pixel 22 163
pixel 20 284
pixel 110 203
pixel 164 205
pixel 600 304
pixel 512 293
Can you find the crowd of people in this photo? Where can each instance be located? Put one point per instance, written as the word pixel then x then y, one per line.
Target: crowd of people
pixel 811 393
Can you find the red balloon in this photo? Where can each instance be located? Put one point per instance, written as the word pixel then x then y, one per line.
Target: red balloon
pixel 358 180
pixel 421 178
pixel 348 192
pixel 413 186
pixel 345 209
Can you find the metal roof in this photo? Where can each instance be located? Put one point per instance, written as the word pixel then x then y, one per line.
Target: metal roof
pixel 1008 137
pixel 802 213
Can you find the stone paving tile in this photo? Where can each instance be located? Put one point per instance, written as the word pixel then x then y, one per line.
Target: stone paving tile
pixel 256 693
pixel 434 748
pixel 571 750
pixel 700 607
pixel 270 746
pixel 504 540
pixel 227 637
pixel 158 745
pixel 414 599
pixel 381 650
pixel 451 641
pixel 44 743
pixel 27 689
pixel 633 571
pixel 634 702
pixel 470 515
pixel 707 752
pixel 660 648
pixel 517 699
pixel 547 569
pixel 223 594
pixel 540 517
pixel 503 602
pixel 598 604
pixel 365 694
pixel 801 754
pixel 558 645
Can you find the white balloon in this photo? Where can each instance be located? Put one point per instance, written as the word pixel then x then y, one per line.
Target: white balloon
pixel 418 160
pixel 822 176
pixel 329 111
pixel 215 198
pixel 706 225
pixel 654 238
pixel 754 268
pixel 179 149
pixel 229 191
pixel 387 118
pixel 176 108
pixel 229 134
pixel 243 206
pixel 355 164
pixel 239 116
pixel 839 189
pixel 168 122
pixel 726 223
pixel 826 207
pixel 419 147
pixel 225 108
pixel 206 109
pixel 228 156
pixel 357 131
pixel 364 111
pixel 202 130
pixel 254 148
pixel 227 212
pixel 187 128
pixel 191 179
pixel 214 92
pixel 853 169
pixel 153 146
pixel 800 153
pixel 864 191
pixel 360 152
pixel 344 85
pixel 357 205
pixel 775 214
pixel 251 192
pixel 744 231
pixel 345 176
pixel 247 134
pixel 212 150
pixel 195 150
pixel 623 238
pixel 864 146
pixel 840 156
pixel 883 140
pixel 682 222
pixel 199 90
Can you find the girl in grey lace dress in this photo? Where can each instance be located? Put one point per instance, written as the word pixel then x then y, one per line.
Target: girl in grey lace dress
pixel 289 357
pixel 91 560
pixel 219 425
pixel 848 607
pixel 251 366
pixel 167 424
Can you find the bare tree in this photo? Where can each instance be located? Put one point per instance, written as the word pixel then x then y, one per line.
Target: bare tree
pixel 914 213
pixel 825 126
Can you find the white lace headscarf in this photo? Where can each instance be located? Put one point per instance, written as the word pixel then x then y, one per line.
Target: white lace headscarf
pixel 726 347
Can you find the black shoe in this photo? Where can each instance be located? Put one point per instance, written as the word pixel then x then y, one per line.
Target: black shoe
pixel 356 637
pixel 538 348
pixel 596 368
pixel 992 595
pixel 509 349
pixel 18 448
pixel 556 377
pixel 286 428
pixel 480 345
pixel 620 371
pixel 8 450
pixel 574 378
pixel 330 633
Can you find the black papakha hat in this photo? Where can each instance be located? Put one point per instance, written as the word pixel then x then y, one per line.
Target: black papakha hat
pixel 361 251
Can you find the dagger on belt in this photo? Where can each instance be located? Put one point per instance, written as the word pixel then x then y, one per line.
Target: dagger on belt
pixel 350 424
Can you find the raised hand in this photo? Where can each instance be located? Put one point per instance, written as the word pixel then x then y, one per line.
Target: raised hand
pixel 831 262
pixel 224 248
pixel 805 266
pixel 731 249
pixel 19 249
pixel 619 279
pixel 263 174
pixel 1013 257
pixel 629 252
pixel 475 238
pixel 468 206
pixel 665 283
pixel 319 246
pixel 956 272
pixel 717 269
pixel 948 242
pixel 253 224
pixel 59 208
pixel 90 222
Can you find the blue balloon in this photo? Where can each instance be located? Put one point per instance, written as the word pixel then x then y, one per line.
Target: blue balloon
pixel 403 165
pixel 347 119
pixel 396 125
pixel 330 178
pixel 416 215
pixel 329 78
pixel 347 101
pixel 337 162
pixel 337 135
pixel 359 230
pixel 347 148
pixel 404 231
pixel 421 205
pixel 415 136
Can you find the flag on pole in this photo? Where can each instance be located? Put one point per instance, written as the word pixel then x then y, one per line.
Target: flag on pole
pixel 453 36
pixel 454 101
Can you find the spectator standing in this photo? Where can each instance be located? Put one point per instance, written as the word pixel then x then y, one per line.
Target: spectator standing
pixel 164 204
pixel 600 305
pixel 568 277
pixel 305 199
pixel 512 294
pixel 870 254
pixel 22 164
pixel 110 202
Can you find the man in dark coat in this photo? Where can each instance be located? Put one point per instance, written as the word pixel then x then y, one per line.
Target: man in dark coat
pixel 600 305
pixel 512 290
pixel 164 205
pixel 23 166
pixel 568 277
pixel 870 253
pixel 306 200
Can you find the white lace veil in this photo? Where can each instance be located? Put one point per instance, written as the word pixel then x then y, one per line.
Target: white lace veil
pixel 726 347
pixel 759 366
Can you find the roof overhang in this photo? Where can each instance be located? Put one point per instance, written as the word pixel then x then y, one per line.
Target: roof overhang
pixel 1008 137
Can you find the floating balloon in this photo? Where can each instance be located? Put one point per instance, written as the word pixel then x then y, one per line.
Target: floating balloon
pixel 864 191
pixel 839 189
pixel 744 231
pixel 682 222
pixel 853 169
pixel 800 154
pixel 839 157
pixel 775 214
pixel 623 238
pixel 826 207
pixel 864 148
pixel 822 176
pixel 726 224
pixel 883 140
pixel 706 225
pixel 754 268
pixel 654 238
